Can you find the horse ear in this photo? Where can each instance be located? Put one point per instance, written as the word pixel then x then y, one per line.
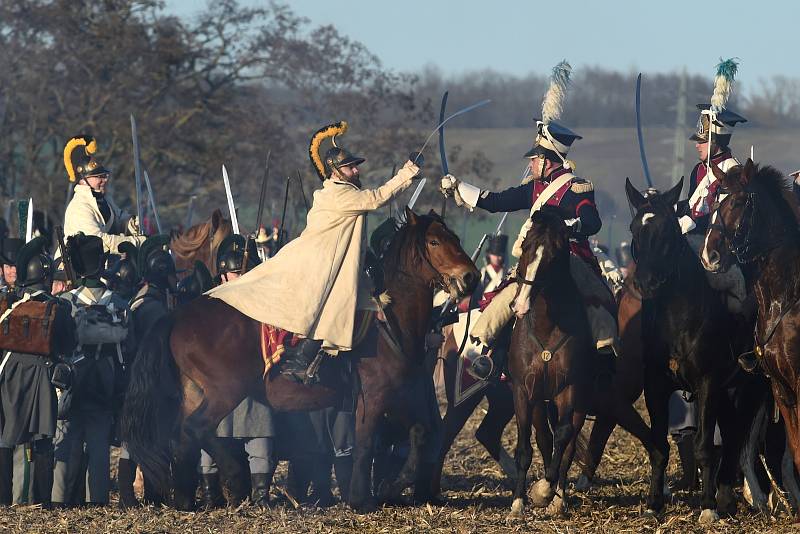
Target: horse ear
pixel 674 194
pixel 411 217
pixel 748 171
pixel 635 198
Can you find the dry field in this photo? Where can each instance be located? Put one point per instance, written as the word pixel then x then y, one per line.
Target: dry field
pixel 479 499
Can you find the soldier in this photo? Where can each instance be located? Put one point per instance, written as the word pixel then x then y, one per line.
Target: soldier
pixel 123 277
pixel 91 211
pixel 494 271
pixel 8 256
pixel 315 283
pixel 105 341
pixel 252 422
pixel 550 182
pixel 28 404
pixel 195 284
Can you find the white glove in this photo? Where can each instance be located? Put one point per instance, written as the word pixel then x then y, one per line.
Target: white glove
pixel 133 226
pixel 615 277
pixel 408 171
pixel 448 185
pixel 687 224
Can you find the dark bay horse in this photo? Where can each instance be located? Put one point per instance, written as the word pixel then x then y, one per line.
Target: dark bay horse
pixel 756 225
pixel 549 358
pixel 200 243
pixel 200 363
pixel 687 334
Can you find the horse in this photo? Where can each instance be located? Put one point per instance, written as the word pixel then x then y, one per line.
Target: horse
pixel 686 330
pixel 610 410
pixel 200 243
pixel 755 224
pixel 549 358
pixel 197 365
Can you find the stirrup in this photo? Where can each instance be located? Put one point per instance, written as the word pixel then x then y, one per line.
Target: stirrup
pixel 482 367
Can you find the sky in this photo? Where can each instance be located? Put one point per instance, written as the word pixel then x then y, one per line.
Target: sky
pixel 523 36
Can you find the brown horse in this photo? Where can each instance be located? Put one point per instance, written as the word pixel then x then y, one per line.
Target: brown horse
pixel 200 363
pixel 549 358
pixel 756 225
pixel 200 242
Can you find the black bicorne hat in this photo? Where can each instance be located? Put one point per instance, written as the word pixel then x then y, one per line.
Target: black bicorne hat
pixel 498 245
pixel 86 255
pixel 9 248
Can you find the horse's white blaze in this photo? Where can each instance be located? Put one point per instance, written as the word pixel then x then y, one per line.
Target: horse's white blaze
pixel 646 218
pixel 523 301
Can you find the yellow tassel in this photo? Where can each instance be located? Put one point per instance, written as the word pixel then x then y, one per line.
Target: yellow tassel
pixel 72 144
pixel 338 128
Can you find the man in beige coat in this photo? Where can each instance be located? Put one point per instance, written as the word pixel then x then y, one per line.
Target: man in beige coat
pixel 90 211
pixel 315 283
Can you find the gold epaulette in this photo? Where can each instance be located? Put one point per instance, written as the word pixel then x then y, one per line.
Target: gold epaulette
pixel 583 186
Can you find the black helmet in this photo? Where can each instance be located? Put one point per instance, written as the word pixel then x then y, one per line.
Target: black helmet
pixel 230 254
pixel 34 265
pixel 155 263
pixel 123 277
pixel 79 160
pixel 336 156
pixel 194 285
pixel 86 255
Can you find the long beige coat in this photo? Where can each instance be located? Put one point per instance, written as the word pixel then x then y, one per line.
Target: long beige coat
pixel 311 286
pixel 83 215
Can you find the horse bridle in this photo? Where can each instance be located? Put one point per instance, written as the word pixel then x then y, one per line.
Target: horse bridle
pixel 740 243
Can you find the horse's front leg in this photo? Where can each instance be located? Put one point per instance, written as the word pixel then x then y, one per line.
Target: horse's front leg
pixel 558 506
pixel 544 436
pixel 544 490
pixel 656 394
pixel 707 408
pixel 369 410
pixel 523 456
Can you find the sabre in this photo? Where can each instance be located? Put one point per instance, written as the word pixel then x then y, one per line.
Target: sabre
pixel 442 151
pixel 416 194
pixel 258 215
pixel 231 206
pixel 137 173
pixel 29 222
pixel 639 130
pixel 190 212
pixel 467 109
pixel 152 201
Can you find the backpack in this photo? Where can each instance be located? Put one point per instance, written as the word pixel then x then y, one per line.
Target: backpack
pixel 98 323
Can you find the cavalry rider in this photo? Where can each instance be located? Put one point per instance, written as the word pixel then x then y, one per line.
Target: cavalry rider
pixel 494 270
pixel 550 181
pixel 252 422
pixel 315 283
pixel 91 211
pixel 105 343
pixel 154 300
pixel 28 403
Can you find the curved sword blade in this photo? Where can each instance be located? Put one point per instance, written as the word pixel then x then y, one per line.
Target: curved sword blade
pixel 231 206
pixel 639 130
pixel 442 151
pixel 461 111
pixel 137 171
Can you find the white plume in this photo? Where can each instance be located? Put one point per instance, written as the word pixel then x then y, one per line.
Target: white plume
pixel 553 102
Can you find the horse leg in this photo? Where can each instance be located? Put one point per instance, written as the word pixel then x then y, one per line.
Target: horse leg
pixel 187 456
pixel 523 456
pixel 707 408
pixel 558 506
pixel 790 421
pixel 545 489
pixel 490 431
pixel 407 475
pixel 731 427
pixel 789 475
pixel 367 423
pixel 601 431
pixel 453 422
pixel 749 455
pixel 656 394
pixel 544 435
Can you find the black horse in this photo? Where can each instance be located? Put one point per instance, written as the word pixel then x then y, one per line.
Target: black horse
pixel 686 330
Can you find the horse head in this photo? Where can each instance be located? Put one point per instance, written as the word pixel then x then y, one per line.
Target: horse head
pixel 753 214
pixel 656 237
pixel 545 250
pixel 429 249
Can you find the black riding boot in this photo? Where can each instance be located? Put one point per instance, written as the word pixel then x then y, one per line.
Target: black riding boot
pixel 42 472
pixel 484 366
pixel 685 445
pixel 259 493
pixel 343 467
pixel 126 475
pixel 606 366
pixel 6 475
pixel 297 360
pixel 211 492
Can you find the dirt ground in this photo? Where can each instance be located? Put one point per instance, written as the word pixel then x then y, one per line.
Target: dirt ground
pixel 478 497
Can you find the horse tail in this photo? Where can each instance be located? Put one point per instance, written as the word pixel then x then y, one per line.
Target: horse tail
pixel 152 404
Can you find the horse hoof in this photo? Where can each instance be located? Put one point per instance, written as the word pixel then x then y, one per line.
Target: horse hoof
pixel 583 484
pixel 708 516
pixel 517 507
pixel 366 507
pixel 557 508
pixel 652 514
pixel 542 493
pixel 667 491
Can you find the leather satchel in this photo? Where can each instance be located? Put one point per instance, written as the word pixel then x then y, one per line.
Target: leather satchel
pixel 28 327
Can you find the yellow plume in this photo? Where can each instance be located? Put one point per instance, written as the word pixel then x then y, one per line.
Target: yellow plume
pixel 331 130
pixel 72 144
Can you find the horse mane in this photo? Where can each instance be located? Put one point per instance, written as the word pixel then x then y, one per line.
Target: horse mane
pixel 775 185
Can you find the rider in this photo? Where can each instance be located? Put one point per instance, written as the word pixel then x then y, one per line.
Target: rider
pixel 91 211
pixel 315 283
pixel 550 182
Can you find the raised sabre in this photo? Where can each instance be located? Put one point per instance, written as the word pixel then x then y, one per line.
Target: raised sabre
pixel 152 201
pixel 639 130
pixel 231 205
pixel 137 173
pixel 442 151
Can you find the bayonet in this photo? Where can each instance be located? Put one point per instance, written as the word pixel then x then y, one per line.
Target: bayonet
pixel 152 201
pixel 29 222
pixel 642 154
pixel 283 215
pixel 137 173
pixel 258 214
pixel 231 205
pixel 190 212
pixel 302 190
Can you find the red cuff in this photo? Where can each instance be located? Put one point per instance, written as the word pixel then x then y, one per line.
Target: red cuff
pixel 582 203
